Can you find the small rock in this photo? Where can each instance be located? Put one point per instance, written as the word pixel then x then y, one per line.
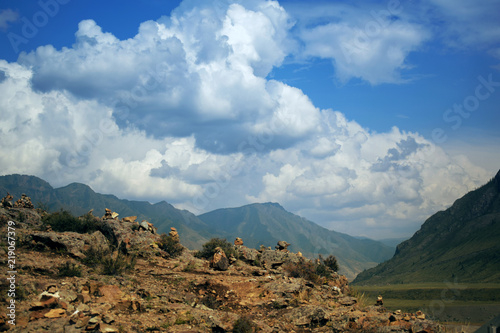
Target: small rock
pixel 420 315
pixel 129 219
pixel 55 313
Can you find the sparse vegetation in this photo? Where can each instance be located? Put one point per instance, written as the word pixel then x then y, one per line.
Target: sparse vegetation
pixel 302 269
pixel 190 267
pixel 117 265
pixel 313 271
pixel 63 221
pixel 209 247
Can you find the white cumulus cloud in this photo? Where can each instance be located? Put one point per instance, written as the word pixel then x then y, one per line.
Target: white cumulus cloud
pixel 185 112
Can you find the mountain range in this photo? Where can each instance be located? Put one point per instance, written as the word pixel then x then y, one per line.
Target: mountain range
pixel 461 243
pixel 258 224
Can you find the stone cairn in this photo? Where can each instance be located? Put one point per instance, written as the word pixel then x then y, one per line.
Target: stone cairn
pixel 174 234
pixel 109 215
pixel 282 246
pixel 7 201
pixel 24 202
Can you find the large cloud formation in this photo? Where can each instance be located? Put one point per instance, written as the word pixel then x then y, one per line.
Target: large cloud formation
pixel 185 112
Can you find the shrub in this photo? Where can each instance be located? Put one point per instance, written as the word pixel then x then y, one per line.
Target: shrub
pixel 323 270
pixel 330 262
pixel 63 221
pixel 69 269
pixel 209 247
pixel 243 325
pixel 171 246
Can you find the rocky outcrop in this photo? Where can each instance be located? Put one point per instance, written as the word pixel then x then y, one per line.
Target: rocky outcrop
pixel 73 243
pixel 238 241
pixel 182 294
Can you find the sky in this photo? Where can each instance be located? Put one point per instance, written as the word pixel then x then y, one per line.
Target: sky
pixel 364 117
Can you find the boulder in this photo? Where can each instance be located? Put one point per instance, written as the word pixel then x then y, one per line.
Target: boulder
pixel 309 316
pixel 274 259
pixel 219 261
pixel 74 243
pixel 124 236
pixel 247 254
pixel 238 241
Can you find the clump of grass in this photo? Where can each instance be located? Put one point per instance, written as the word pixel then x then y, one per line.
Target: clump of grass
pixel 118 264
pixel 184 318
pixel 95 256
pixel 243 325
pixel 190 267
pixel 107 262
pixel 70 269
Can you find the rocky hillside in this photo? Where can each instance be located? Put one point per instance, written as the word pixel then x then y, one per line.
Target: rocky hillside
pixel 460 243
pixel 262 224
pixel 79 199
pixel 267 223
pixel 118 275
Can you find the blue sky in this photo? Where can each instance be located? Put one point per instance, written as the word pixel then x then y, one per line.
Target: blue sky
pixel 365 118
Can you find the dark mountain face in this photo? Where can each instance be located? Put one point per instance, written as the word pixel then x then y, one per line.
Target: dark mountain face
pixel 461 242
pixel 258 224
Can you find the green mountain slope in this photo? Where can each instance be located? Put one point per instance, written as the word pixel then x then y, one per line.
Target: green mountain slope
pixel 462 242
pixel 269 223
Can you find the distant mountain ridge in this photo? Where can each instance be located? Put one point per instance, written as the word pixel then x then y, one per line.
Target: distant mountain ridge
pixel 257 224
pixel 266 223
pixel 462 242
